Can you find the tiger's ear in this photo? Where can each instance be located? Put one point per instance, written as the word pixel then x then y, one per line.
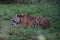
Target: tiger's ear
pixel 17 15
pixel 20 15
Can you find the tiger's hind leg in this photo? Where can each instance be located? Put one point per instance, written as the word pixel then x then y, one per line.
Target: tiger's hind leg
pixel 35 25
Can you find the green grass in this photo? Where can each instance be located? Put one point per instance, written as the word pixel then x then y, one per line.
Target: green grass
pixel 28 33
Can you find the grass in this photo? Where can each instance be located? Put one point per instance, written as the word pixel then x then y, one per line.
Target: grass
pixel 28 33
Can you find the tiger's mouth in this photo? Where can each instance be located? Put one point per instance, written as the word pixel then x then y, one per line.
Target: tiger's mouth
pixel 14 23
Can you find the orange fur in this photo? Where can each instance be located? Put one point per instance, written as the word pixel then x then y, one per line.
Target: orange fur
pixel 28 20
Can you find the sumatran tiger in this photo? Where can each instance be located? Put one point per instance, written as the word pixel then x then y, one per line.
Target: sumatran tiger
pixel 27 20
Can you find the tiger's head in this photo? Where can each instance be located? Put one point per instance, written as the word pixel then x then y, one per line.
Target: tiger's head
pixel 18 19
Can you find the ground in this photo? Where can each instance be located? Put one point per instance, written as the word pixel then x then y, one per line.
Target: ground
pixel 8 32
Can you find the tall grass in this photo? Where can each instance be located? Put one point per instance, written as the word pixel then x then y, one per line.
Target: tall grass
pixel 50 11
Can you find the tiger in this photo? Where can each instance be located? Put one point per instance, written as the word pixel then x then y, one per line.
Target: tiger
pixel 28 20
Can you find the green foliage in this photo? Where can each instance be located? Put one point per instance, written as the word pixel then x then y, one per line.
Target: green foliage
pixel 50 11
